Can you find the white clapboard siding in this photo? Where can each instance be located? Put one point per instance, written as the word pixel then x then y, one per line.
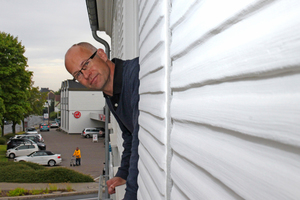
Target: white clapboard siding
pixel 265 42
pixel 203 186
pixel 235 109
pixel 153 101
pixel 153 167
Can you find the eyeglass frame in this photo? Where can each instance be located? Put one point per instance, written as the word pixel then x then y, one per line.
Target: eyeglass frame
pixel 84 65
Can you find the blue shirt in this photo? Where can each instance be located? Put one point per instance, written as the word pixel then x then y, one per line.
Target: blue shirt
pixel 124 106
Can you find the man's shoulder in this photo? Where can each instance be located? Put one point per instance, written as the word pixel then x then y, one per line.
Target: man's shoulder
pixel 132 62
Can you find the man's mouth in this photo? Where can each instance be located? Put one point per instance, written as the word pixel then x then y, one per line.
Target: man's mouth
pixel 93 80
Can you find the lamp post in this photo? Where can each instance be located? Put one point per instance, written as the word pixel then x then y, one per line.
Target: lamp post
pixel 48 110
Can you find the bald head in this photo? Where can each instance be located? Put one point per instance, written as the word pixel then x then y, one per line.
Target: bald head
pixel 98 72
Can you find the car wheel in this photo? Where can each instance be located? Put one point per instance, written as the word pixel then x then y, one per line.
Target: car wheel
pixel 88 136
pixel 12 156
pixel 51 163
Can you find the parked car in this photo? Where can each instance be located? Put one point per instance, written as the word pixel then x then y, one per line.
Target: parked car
pixel 41 157
pixel 32 131
pixel 54 125
pixel 14 142
pixel 22 150
pixel 35 137
pixel 58 121
pixel 44 127
pixel 88 132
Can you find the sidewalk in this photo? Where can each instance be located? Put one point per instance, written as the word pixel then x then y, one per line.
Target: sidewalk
pixel 79 188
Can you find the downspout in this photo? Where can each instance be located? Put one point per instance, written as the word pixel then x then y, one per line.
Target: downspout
pixel 93 18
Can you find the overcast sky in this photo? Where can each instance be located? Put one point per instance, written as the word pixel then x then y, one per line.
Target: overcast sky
pixel 47 28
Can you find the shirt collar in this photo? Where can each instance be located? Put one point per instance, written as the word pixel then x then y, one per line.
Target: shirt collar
pixel 117 84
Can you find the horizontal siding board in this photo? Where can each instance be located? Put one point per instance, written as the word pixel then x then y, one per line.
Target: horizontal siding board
pixel 208 17
pixel 150 185
pixel 267 42
pixel 153 83
pixel 156 174
pixel 153 125
pixel 152 61
pixel 154 40
pixel 252 168
pixel 180 10
pixel 154 104
pixel 155 148
pixel 145 14
pixel 204 185
pixel 177 194
pixel 266 108
pixel 154 17
pixel 143 193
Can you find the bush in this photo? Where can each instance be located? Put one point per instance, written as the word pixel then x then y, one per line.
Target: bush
pixel 17 192
pixel 2 140
pixel 25 172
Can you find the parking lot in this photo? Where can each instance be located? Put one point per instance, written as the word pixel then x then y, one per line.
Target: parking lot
pixel 92 153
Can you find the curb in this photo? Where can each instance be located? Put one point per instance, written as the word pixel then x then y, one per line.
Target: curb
pixel 43 196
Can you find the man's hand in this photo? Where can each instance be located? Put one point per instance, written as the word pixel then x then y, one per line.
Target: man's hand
pixel 114 182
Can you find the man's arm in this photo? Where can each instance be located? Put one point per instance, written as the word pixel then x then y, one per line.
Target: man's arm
pixel 123 169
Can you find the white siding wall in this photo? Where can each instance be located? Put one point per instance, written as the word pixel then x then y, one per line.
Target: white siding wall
pixel 235 106
pixel 154 62
pixel 224 124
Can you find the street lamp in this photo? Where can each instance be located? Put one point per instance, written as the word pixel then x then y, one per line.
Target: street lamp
pixel 48 110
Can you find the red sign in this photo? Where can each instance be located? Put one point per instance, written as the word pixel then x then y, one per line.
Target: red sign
pixel 77 114
pixel 102 117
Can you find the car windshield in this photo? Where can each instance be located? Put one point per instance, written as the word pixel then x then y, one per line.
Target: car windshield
pixel 31 129
pixel 31 154
pixel 30 140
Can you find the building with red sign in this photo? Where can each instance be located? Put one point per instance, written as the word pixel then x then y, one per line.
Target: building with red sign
pixel 80 107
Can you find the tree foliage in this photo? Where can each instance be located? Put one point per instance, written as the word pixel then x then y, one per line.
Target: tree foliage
pixel 15 80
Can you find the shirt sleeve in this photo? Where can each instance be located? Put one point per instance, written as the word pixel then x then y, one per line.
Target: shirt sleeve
pixel 127 137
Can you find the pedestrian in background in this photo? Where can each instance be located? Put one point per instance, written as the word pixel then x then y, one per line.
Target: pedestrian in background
pixel 77 155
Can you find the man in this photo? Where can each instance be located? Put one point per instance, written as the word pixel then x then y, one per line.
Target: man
pixel 119 81
pixel 77 155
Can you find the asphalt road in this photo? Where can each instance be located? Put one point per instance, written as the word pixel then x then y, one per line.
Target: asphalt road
pixel 92 153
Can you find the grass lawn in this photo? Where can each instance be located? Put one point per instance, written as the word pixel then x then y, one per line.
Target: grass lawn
pixel 2 153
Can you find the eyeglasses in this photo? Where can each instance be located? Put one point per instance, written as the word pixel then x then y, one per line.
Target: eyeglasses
pixel 79 75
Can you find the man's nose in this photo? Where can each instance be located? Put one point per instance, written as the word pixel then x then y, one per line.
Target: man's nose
pixel 86 73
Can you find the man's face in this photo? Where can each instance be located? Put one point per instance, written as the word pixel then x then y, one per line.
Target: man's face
pixel 97 72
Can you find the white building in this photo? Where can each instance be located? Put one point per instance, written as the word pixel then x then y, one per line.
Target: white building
pixel 80 107
pixel 219 95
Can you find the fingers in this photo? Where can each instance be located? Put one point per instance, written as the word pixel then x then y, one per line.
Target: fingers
pixel 111 189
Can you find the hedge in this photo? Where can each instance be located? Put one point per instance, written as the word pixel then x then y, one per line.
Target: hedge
pixel 26 172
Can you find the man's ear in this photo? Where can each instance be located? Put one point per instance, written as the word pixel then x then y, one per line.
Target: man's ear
pixel 102 54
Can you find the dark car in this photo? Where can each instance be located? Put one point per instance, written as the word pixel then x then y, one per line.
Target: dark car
pixel 32 137
pixel 14 142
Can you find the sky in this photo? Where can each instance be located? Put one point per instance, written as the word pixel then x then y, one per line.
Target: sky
pixel 47 29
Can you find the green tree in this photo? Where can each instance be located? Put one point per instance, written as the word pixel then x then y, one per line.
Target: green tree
pixel 58 92
pixel 15 80
pixel 36 100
